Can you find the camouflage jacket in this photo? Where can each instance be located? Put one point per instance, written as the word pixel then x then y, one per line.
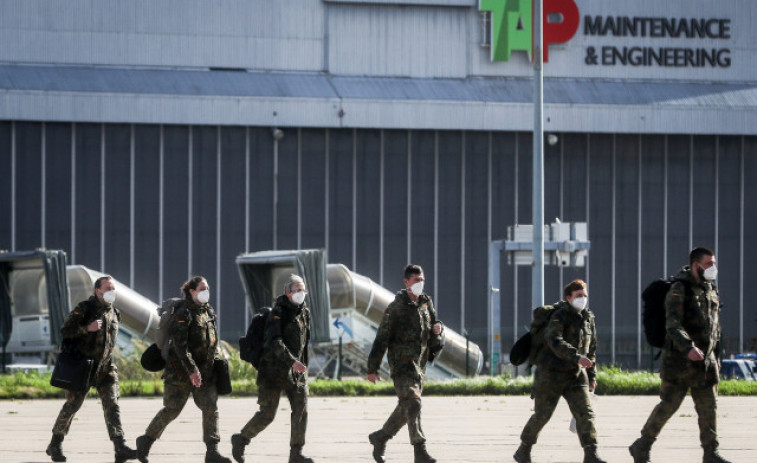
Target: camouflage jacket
pixel 286 338
pixel 406 332
pixel 193 343
pixel 97 345
pixel 569 335
pixel 691 319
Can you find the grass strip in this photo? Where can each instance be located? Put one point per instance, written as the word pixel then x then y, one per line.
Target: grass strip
pixel 610 381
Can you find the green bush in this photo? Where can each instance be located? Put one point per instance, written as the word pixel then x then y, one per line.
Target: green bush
pixel 28 385
pixel 129 367
pixel 350 388
pixel 614 381
pixel 737 387
pixel 239 370
pixel 136 382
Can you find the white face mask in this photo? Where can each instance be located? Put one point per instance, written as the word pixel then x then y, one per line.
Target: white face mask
pixel 579 303
pixel 109 296
pixel 710 274
pixel 203 296
pixel 417 288
pixel 298 297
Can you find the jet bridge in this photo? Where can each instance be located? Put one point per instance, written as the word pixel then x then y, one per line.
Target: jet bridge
pixel 343 303
pixel 38 291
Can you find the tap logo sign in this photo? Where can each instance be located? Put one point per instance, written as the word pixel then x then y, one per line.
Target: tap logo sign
pixel 512 25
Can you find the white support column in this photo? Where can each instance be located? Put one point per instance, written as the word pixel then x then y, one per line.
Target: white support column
pixel 132 210
pixel 537 271
pixel 161 212
pixel 190 200
pixel 102 199
pixel 43 190
pixel 219 215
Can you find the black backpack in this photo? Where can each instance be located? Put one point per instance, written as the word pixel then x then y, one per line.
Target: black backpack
pixel 251 345
pixel 653 315
pixel 163 334
pixel 527 347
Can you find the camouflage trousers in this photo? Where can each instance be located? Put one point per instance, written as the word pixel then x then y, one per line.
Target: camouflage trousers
pixel 268 399
pixel 107 390
pixel 175 397
pixel 408 410
pixel 547 389
pixel 705 402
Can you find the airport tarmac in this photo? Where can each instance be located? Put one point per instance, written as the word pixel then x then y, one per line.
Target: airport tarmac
pixel 458 429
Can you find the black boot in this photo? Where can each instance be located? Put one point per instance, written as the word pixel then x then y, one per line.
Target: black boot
pixel 143 447
pixel 238 443
pixel 640 449
pixel 296 456
pixel 54 449
pixel 523 454
pixel 212 455
pixel 421 454
pixel 123 451
pixel 590 454
pixel 711 455
pixel 379 439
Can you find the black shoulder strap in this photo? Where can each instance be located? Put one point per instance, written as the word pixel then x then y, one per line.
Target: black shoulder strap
pixel 688 295
pixel 212 313
pixel 276 310
pixel 688 292
pixel 286 314
pixel 72 344
pixel 686 286
pixel 88 310
pixel 181 310
pixel 176 308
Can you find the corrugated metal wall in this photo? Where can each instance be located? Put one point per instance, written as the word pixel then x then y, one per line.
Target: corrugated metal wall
pixel 154 204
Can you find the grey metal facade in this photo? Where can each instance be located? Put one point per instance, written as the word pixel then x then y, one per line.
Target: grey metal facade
pixel 137 137
pixel 223 97
pixel 373 38
pixel 381 50
pixel 152 204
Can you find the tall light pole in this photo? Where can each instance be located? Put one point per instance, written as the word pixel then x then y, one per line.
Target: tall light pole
pixel 537 273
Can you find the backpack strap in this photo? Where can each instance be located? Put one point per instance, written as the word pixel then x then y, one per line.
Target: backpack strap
pixel 306 316
pixel 88 310
pixel 285 313
pixel 686 287
pixel 688 294
pixel 180 310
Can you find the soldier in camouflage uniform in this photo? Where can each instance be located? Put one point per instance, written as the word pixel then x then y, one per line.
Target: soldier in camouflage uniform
pixel 690 356
pixel 565 367
pixel 189 370
pixel 413 336
pixel 93 324
pixel 283 367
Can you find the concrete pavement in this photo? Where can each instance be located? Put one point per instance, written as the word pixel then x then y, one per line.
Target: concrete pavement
pixel 458 429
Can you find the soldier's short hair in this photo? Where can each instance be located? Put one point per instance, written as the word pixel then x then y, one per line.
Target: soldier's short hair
pixel 99 281
pixel 574 285
pixel 291 281
pixel 412 269
pixel 698 252
pixel 192 283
